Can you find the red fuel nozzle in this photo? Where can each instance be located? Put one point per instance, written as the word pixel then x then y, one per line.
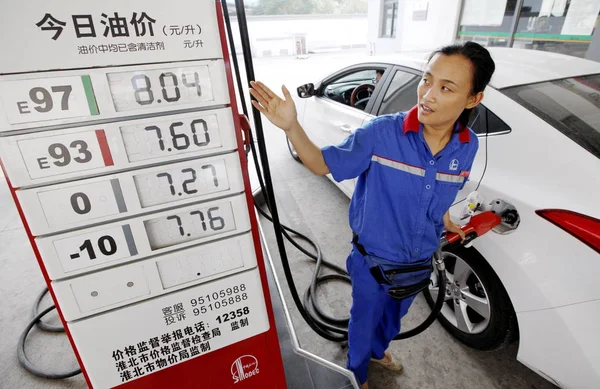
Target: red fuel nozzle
pixel 477 226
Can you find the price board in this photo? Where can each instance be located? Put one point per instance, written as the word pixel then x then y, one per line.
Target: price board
pixel 120 140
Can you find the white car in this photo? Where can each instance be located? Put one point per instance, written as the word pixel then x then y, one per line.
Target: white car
pixel 539 136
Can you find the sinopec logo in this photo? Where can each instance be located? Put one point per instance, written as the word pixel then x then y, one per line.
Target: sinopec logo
pixel 244 367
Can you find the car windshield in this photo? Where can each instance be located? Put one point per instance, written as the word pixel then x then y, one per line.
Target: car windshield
pixel 571 105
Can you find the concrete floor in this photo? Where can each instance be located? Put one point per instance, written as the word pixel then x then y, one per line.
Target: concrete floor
pixel 314 206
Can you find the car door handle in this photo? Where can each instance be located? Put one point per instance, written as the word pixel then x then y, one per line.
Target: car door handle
pixel 346 128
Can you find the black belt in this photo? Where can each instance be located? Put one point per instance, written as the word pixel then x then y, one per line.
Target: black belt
pixel 361 249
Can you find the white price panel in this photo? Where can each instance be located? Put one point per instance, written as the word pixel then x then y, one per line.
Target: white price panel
pixel 34 101
pixel 181 227
pixel 48 99
pixel 73 205
pixel 209 326
pixel 185 180
pixel 40 35
pixel 152 88
pixel 95 248
pixel 59 156
pixel 161 137
pixel 97 292
pixel 47 156
pixel 61 207
pixel 89 249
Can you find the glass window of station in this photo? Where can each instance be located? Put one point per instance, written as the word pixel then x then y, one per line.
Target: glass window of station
pixel 560 26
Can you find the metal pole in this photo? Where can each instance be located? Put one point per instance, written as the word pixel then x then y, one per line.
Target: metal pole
pixel 236 65
pixel 456 30
pixel 515 22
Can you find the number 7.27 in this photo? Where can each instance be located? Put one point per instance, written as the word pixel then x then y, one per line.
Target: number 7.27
pixel 44 101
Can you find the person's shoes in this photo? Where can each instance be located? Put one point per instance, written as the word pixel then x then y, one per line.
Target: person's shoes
pixel 388 362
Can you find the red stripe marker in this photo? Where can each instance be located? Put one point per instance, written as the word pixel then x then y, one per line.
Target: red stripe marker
pixel 108 160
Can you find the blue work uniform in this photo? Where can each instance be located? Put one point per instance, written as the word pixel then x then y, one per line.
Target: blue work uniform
pixel 397 209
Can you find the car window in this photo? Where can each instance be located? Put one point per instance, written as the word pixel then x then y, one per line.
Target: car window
pixel 353 89
pixel 483 121
pixel 571 105
pixel 401 95
pixel 363 76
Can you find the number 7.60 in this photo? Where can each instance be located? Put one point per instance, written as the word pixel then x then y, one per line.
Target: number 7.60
pixel 200 135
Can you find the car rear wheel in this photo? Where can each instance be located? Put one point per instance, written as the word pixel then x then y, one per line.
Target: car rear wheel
pixel 477 310
pixel 292 150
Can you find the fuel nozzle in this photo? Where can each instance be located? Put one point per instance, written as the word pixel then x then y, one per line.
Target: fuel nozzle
pixel 499 215
pixel 477 226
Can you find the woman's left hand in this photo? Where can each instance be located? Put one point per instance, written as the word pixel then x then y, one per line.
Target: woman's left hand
pixel 453 227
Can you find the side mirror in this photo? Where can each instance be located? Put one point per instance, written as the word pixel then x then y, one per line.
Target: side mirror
pixel 305 91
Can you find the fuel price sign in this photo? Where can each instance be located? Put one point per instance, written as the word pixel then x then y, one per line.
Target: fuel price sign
pixel 120 140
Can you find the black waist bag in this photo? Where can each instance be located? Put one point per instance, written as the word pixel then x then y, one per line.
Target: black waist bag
pixel 403 279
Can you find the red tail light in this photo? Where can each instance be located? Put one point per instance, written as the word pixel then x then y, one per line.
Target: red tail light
pixel 584 228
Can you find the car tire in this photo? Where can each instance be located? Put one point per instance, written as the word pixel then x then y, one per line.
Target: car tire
pixel 292 150
pixel 463 314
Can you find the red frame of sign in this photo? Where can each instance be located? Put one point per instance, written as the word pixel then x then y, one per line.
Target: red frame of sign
pixel 213 370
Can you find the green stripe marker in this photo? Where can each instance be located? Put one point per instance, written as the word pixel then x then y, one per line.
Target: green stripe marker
pixel 89 93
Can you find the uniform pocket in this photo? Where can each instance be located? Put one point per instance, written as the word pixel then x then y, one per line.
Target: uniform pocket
pixel 445 195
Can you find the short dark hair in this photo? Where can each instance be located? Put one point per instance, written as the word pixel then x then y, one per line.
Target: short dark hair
pixel 482 64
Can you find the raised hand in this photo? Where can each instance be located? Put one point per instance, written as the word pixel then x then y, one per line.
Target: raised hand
pixel 281 113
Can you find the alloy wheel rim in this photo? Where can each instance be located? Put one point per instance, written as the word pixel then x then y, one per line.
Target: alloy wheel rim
pixel 466 306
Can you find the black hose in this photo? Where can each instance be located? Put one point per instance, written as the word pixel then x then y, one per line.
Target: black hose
pixel 437 308
pixel 40 323
pixel 22 356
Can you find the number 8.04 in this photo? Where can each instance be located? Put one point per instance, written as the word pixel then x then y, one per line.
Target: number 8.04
pixel 142 87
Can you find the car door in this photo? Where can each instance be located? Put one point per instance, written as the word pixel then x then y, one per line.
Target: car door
pixel 328 119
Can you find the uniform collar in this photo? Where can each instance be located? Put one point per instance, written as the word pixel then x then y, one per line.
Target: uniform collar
pixel 412 124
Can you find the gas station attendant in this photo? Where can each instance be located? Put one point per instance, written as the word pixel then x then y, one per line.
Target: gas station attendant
pixel 410 167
